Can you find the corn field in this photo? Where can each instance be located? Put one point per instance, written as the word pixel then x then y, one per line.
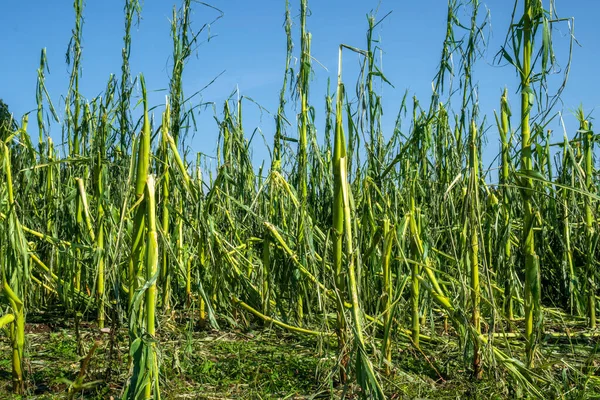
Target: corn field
pixel 370 247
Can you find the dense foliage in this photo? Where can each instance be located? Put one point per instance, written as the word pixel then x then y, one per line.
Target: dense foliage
pixel 375 240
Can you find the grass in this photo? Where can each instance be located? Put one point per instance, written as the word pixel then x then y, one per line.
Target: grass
pixel 253 362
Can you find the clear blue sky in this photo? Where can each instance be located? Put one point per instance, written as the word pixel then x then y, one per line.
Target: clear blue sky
pixel 249 45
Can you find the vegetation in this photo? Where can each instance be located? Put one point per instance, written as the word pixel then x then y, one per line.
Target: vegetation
pixel 363 263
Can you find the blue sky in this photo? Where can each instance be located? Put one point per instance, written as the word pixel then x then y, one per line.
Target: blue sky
pixel 248 44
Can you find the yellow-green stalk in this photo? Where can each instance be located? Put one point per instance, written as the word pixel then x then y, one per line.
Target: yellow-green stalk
pixel 73 98
pixel 386 346
pixel 181 254
pixel 17 335
pixel 588 139
pixel 504 128
pixel 303 87
pixel 85 208
pixel 150 300
pixel 6 319
pixel 265 276
pixel 188 279
pixel 566 232
pixel 100 249
pixel 15 274
pixel 473 248
pixel 415 268
pixel 131 7
pixel 165 271
pixel 78 238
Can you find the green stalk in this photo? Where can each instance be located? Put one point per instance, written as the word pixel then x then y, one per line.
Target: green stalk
pixel 266 276
pixel 468 61
pixel 588 140
pixel 131 7
pixel 73 97
pixel 338 224
pixel 39 101
pixel 151 272
pixel 99 171
pixel 142 169
pixel 566 233
pixel 275 204
pixel 302 185
pixel 6 319
pixel 83 213
pixel 100 268
pixel 78 238
pixel 100 243
pixel 165 271
pixel 473 248
pixel 17 334
pixel 303 86
pixel 188 278
pixel 365 373
pixel 280 117
pixel 508 265
pixel 56 279
pixel 386 345
pixel 85 208
pixel 181 255
pixel 415 270
pixel 532 281
pixel 15 275
pixel 273 321
pixel 40 93
pixel 183 44
pixel 182 49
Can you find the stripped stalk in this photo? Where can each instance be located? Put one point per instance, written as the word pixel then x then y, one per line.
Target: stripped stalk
pixel 303 135
pixel 388 293
pixel 150 300
pixel 532 280
pixel 473 248
pixel 508 265
pixel 339 154
pixel 131 7
pixel 415 268
pixel 572 287
pixel 73 106
pixel 142 169
pixel 588 150
pixel 367 380
pixel 165 270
